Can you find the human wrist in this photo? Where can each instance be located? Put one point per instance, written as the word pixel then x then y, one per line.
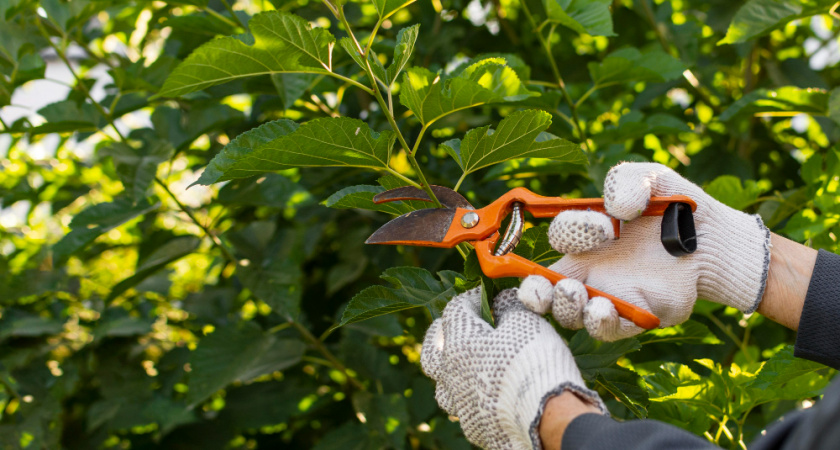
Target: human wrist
pixel 791 268
pixel 559 412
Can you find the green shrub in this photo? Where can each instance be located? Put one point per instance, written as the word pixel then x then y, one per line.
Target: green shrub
pixel 138 313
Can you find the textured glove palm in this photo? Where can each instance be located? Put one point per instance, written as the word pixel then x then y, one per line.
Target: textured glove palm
pixel 729 267
pixel 497 380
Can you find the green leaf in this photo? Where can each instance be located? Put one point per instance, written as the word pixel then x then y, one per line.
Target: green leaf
pixel 789 100
pixel 326 142
pixel 591 354
pixel 759 17
pixel 386 416
pixel 518 135
pixel 180 129
pixel 386 8
pixel 137 163
pixel 688 332
pixel 631 65
pixel 412 287
pixel 237 352
pixel 728 190
pixel 17 323
pixel 68 116
pixel 431 96
pixel 281 42
pixel 584 16
pixel 807 224
pixel 273 190
pixel 402 52
pixel 361 197
pixel 96 220
pixel 626 386
pixel 161 257
pixel 785 376
pixel 277 283
pixel 117 322
pixel 242 147
pixel 291 86
pixel 534 246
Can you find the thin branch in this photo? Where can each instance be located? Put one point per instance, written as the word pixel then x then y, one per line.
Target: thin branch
pixel 224 19
pixel 389 114
pixel 323 350
pixel 556 70
pixel 232 13
pixel 213 238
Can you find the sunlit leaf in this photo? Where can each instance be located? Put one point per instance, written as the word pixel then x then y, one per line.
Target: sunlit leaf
pixel 280 42
pixel 518 135
pixel 785 101
pixel 631 65
pixel 402 52
pixel 171 251
pixel 584 16
pixel 282 144
pixel 759 17
pixel 728 190
pixel 431 96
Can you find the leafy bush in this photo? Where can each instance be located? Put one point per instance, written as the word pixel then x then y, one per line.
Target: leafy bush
pixel 138 313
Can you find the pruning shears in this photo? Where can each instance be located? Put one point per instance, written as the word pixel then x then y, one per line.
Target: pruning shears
pixel 458 221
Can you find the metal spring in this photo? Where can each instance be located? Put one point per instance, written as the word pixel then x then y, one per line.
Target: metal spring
pixel 513 232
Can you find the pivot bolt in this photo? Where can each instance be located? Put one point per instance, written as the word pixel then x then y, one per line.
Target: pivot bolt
pixel 469 220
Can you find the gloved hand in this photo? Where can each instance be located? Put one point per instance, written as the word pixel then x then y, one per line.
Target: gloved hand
pixel 729 267
pixel 498 380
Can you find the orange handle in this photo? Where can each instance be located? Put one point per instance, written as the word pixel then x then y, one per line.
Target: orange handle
pixel 539 206
pixel 512 265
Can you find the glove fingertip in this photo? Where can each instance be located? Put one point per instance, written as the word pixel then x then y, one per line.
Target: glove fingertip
pixel 601 319
pixel 579 231
pixel 535 293
pixel 570 297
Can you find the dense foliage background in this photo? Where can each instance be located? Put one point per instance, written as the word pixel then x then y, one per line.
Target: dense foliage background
pixel 137 313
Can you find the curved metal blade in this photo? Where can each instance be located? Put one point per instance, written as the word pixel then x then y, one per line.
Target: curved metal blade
pixel 422 227
pixel 447 197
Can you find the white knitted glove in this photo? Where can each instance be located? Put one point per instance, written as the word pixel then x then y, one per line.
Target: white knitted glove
pixel 497 380
pixel 729 267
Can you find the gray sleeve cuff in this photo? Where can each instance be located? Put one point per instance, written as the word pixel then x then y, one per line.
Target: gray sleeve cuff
pixel 818 338
pixel 595 432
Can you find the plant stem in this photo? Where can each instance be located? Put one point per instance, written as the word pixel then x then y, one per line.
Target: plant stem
pixel 224 19
pixel 323 350
pixel 404 178
pixel 586 95
pixel 232 13
pixel 556 70
pixel 460 180
pixel 389 114
pixel 353 82
pixel 213 238
pixel 371 38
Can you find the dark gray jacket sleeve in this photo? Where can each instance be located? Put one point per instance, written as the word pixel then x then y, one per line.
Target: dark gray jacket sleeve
pixel 818 338
pixel 816 428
